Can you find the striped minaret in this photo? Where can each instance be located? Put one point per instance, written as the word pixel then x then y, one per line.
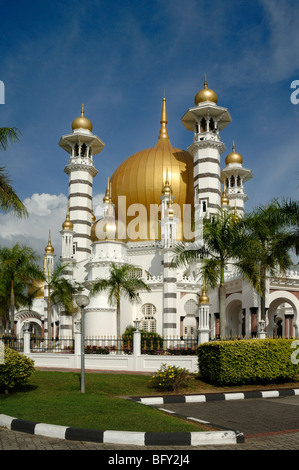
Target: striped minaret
pixel 168 239
pixel 81 145
pixel 206 120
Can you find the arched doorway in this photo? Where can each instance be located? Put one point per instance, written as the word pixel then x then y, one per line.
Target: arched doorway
pixel 235 318
pixel 34 320
pixel 282 315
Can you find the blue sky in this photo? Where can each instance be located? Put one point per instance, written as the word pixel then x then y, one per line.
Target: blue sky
pixel 118 58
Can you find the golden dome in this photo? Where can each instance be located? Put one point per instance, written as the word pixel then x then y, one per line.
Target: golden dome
pixel 206 95
pixel 49 248
pixel 224 198
pixel 36 288
pixel 204 299
pixel 82 122
pixel 140 178
pixel 234 157
pixel 67 224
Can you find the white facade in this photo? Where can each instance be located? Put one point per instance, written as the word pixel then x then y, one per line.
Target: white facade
pixel 172 306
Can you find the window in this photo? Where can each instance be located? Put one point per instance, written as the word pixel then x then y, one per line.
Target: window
pixel 190 307
pixel 148 322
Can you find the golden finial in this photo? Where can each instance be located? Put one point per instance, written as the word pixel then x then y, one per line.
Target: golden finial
pixel 107 197
pixel 163 130
pixel 204 299
pixel 166 188
pixel 205 82
pixel 67 224
pixel 224 198
pixel 235 216
pixel 49 248
pixel 82 110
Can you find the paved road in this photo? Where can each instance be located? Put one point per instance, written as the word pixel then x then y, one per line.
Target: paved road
pixel 268 424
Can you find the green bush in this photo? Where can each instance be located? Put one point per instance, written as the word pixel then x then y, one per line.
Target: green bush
pixel 253 361
pixel 15 370
pixel 150 341
pixel 169 378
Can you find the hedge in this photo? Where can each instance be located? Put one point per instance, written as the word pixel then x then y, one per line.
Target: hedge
pixel 253 361
pixel 15 370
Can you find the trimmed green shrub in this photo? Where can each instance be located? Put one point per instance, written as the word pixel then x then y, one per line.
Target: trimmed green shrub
pixel 15 370
pixel 253 361
pixel 169 378
pixel 150 341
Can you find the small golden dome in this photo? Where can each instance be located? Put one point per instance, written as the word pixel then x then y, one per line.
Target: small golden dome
pixel 49 248
pixel 204 299
pixel 205 95
pixel 82 122
pixel 234 157
pixel 224 198
pixel 67 224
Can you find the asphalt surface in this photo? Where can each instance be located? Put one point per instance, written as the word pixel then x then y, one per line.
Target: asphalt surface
pixel 267 424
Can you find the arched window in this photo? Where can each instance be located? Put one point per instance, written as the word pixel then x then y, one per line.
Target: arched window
pixel 190 307
pixel 148 321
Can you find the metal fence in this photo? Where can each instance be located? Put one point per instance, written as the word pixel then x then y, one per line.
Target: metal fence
pixel 61 345
pixel 13 342
pixel 107 345
pixel 172 346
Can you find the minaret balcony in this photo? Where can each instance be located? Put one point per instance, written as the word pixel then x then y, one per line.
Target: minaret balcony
pixel 207 136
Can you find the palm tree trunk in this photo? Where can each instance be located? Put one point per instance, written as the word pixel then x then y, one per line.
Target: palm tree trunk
pixel 12 307
pixel 222 303
pixel 118 319
pixel 49 311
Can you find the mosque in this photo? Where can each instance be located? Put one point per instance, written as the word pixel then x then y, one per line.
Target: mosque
pixel 150 203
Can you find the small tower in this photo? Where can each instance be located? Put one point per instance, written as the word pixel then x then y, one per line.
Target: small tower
pixel 234 176
pixel 67 233
pixel 203 313
pixel 206 119
pixel 81 145
pixel 49 258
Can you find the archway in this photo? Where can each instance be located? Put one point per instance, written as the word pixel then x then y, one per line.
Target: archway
pixel 34 320
pixel 282 315
pixel 235 318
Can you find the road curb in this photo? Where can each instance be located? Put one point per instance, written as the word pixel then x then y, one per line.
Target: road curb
pixel 168 399
pixel 122 437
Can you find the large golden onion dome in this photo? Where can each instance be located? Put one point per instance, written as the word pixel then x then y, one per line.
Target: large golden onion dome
pixel 141 178
pixel 82 122
pixel 234 157
pixel 36 289
pixel 205 95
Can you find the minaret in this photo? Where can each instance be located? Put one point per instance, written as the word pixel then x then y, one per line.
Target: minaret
pixel 168 239
pixel 234 176
pixel 49 258
pixel 81 145
pixel 206 120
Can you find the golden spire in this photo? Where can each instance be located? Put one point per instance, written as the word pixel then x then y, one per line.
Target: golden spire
pixel 67 224
pixel 167 187
pixel 163 130
pixel 224 198
pixel 107 197
pixel 204 299
pixel 235 216
pixel 49 248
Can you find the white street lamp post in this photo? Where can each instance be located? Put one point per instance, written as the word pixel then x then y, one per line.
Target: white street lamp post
pixel 82 302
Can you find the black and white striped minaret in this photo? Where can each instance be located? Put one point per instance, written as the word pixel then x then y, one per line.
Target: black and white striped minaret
pixel 81 145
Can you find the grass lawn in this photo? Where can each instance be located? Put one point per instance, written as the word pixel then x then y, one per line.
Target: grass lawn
pixel 55 398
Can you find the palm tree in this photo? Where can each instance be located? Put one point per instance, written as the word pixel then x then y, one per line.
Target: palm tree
pixel 122 281
pixel 18 267
pixel 224 242
pixel 273 230
pixel 9 200
pixel 61 291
